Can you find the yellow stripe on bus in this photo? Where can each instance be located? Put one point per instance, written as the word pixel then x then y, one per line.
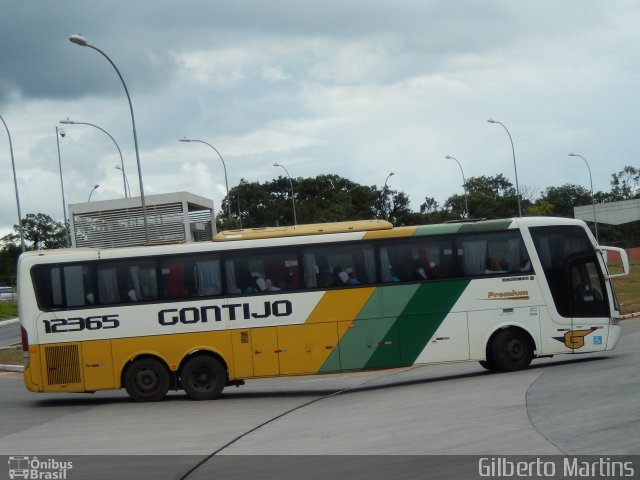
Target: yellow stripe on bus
pixel 396 232
pixel 340 305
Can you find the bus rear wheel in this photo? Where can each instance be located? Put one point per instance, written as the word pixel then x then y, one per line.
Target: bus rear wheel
pixel 511 350
pixel 203 377
pixel 147 380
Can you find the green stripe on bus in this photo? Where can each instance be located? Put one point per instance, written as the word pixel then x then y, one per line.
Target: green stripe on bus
pixel 420 319
pixel 474 227
pixel 372 324
pixel 395 325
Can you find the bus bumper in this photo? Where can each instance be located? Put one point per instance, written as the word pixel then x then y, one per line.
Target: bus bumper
pixel 28 380
pixel 614 335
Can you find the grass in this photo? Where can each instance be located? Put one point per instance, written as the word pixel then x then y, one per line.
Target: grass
pixel 11 356
pixel 628 289
pixel 8 310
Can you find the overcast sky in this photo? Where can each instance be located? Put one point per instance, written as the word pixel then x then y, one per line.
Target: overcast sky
pixel 354 88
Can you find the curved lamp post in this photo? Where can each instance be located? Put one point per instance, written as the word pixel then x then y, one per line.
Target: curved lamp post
pixel 464 184
pixel 515 168
pixel 80 40
pixel 61 133
pixel 384 190
pixel 293 197
pixel 124 176
pixel 94 189
pixel 226 183
pixel 15 184
pixel 593 200
pixel 386 179
pixel 118 167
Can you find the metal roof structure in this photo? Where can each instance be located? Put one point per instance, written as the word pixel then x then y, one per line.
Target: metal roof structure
pixel 172 218
pixel 612 213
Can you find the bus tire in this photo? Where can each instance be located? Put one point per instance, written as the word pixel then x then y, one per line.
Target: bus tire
pixel 511 350
pixel 487 364
pixel 203 377
pixel 147 380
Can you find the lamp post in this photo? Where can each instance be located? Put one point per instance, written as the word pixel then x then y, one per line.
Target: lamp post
pixel 94 189
pixel 386 179
pixel 124 176
pixel 80 40
pixel 593 200
pixel 15 185
pixel 464 184
pixel 384 192
pixel 61 133
pixel 293 197
pixel 515 168
pixel 226 183
pixel 118 167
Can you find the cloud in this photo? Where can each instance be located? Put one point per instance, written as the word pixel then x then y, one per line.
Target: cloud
pixel 353 88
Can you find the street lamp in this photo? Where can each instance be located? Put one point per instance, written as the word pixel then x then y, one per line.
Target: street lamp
pixel 226 183
pixel 386 179
pixel 384 196
pixel 515 168
pixel 293 198
pixel 464 183
pixel 94 189
pixel 80 40
pixel 124 176
pixel 118 167
pixel 61 133
pixel 593 200
pixel 15 184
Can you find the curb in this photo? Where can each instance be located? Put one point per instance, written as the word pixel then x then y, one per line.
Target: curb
pixel 630 315
pixel 8 322
pixel 11 368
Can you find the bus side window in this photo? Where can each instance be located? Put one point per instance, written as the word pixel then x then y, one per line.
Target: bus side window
pixel 108 291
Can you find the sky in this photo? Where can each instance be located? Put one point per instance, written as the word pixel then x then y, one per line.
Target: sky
pixel 356 88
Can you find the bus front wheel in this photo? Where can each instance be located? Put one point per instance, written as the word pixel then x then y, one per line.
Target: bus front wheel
pixel 203 377
pixel 511 350
pixel 147 380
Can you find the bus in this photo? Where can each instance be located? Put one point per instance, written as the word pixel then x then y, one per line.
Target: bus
pixel 314 299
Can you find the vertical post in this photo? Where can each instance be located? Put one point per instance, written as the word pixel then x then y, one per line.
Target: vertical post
pixel 593 199
pixel 15 185
pixel 80 40
pixel 64 203
pixel 293 196
pixel 515 168
pixel 464 184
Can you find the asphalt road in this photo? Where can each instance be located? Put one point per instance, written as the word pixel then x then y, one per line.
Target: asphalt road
pixel 445 415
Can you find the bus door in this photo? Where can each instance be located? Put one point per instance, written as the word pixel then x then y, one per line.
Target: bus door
pixel 589 305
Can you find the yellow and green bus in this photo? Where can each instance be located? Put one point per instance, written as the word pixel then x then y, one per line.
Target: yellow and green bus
pixel 313 299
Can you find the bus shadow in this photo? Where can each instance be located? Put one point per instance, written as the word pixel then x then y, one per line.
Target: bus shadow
pixel 382 382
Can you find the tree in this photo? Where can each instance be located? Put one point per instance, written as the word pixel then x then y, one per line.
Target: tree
pixel 625 184
pixel 40 232
pixel 488 197
pixel 325 198
pixel 560 201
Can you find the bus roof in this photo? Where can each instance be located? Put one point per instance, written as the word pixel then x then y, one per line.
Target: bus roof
pixel 307 229
pixel 297 235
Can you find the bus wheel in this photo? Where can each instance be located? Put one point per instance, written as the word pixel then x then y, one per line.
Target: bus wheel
pixel 487 364
pixel 511 350
pixel 147 380
pixel 203 377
